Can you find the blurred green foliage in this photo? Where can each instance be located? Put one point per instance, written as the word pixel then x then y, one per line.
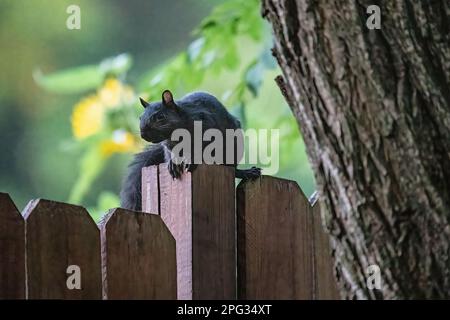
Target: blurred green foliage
pixel 77 151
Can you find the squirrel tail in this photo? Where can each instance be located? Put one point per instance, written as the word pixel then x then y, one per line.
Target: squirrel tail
pixel 130 195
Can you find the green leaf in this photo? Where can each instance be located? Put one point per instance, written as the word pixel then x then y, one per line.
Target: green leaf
pixel 209 22
pixel 195 48
pixel 83 78
pixel 231 57
pixel 116 65
pixel 74 80
pixel 208 58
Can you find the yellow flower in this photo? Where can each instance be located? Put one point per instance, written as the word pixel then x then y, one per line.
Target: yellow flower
pixel 89 114
pixel 87 117
pixel 114 93
pixel 120 142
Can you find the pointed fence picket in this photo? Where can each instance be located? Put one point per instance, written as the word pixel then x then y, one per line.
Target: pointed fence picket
pixel 199 237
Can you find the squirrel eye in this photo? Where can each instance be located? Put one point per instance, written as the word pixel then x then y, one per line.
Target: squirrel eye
pixel 160 116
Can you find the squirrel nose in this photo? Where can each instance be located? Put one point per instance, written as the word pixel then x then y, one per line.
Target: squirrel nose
pixel 144 125
pixel 145 134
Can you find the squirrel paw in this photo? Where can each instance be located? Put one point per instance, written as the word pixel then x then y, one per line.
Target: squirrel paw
pixel 246 174
pixel 177 170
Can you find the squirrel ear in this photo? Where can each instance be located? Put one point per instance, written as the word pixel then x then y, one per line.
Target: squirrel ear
pixel 167 98
pixel 144 103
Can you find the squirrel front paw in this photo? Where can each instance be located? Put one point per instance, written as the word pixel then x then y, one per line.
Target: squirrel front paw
pixel 248 174
pixel 177 170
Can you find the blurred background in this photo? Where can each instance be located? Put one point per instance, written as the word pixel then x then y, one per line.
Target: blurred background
pixel 68 98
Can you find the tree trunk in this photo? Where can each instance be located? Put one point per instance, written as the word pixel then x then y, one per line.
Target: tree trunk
pixel 374 110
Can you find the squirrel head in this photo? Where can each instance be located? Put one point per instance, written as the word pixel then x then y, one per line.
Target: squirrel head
pixel 160 119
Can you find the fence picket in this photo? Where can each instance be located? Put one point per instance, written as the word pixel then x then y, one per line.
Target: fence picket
pixel 150 189
pixel 194 245
pixel 274 240
pixel 325 282
pixel 60 235
pixel 12 250
pixel 199 211
pixel 138 256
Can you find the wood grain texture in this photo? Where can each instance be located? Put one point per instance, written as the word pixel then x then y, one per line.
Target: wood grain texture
pixel 12 250
pixel 59 235
pixel 139 257
pixel 374 110
pixel 274 240
pixel 325 285
pixel 176 211
pixel 150 189
pixel 199 211
pixel 213 233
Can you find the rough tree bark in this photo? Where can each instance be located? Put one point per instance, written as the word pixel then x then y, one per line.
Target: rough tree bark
pixel 374 110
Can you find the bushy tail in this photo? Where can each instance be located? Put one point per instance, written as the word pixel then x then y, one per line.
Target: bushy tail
pixel 130 195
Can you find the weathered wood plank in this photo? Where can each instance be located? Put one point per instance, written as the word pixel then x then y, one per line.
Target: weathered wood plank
pixel 274 240
pixel 150 189
pixel 138 256
pixel 12 250
pixel 199 210
pixel 60 235
pixel 214 233
pixel 176 211
pixel 325 287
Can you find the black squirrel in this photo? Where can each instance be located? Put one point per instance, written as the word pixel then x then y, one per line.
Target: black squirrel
pixel 157 124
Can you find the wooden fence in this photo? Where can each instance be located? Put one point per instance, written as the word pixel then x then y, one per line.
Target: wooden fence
pixel 205 239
